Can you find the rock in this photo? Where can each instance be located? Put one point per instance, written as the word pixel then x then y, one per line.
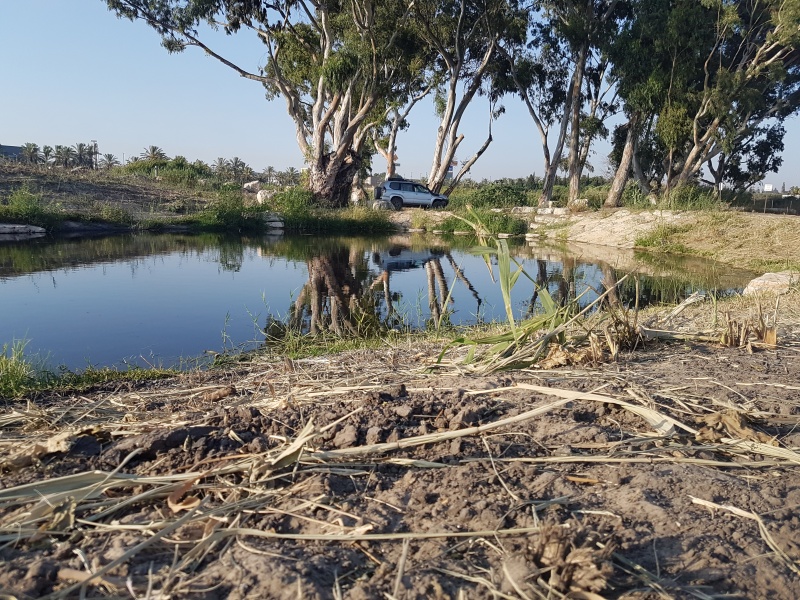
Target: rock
pixel 264 195
pixel 580 204
pixel 776 283
pixel 273 220
pixel 252 186
pixel 9 229
pixel 382 205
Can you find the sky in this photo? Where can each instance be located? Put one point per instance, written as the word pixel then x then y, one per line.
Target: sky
pixel 74 72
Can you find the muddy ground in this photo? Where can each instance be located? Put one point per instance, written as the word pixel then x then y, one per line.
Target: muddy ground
pixel 585 498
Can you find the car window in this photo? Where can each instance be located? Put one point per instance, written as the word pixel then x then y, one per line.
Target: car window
pixel 420 189
pixel 406 187
pixel 394 185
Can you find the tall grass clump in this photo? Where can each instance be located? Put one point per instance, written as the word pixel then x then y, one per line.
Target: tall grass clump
pixel 18 374
pixel 488 222
pixel 691 197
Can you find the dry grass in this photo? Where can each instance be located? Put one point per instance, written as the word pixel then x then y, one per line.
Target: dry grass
pixel 749 240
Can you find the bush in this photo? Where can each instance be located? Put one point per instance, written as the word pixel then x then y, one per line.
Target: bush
pixel 496 195
pixel 560 195
pixel 293 203
pixel 228 212
pixel 26 207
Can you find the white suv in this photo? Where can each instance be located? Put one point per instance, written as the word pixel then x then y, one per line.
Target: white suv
pixel 401 192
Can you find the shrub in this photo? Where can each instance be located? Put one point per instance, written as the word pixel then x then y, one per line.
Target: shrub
pixel 497 195
pixel 293 203
pixel 228 212
pixel 24 206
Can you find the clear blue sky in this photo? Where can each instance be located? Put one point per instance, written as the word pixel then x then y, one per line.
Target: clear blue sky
pixel 74 72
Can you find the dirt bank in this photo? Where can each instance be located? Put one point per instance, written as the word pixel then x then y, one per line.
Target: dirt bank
pixel 752 241
pixel 671 473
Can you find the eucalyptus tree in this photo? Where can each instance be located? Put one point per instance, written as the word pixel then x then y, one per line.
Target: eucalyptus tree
pixel 749 159
pixel 330 61
pixel 705 81
pixel 539 70
pixel 585 27
pixel 750 76
pixel 465 36
pixel 560 71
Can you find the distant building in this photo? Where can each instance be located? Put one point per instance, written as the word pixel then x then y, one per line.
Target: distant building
pixel 11 152
pixel 768 187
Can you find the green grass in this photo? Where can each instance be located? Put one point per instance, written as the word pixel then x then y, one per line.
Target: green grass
pixel 22 374
pixel 18 372
pixel 660 239
pixel 29 208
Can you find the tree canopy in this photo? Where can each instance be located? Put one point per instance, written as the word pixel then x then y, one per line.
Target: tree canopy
pixel 701 82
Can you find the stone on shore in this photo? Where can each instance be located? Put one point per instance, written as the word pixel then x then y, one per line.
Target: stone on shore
pixel 775 283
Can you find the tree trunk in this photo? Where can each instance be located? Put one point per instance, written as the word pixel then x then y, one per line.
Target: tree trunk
pixel 621 177
pixel 331 181
pixel 575 124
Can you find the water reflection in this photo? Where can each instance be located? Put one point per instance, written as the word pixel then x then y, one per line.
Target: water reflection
pixel 145 298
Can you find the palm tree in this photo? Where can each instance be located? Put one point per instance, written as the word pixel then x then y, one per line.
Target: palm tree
pixel 30 153
pixel 64 156
pixel 83 154
pixel 153 153
pixel 47 152
pixel 108 161
pixel 269 174
pixel 292 176
pixel 237 167
pixel 220 167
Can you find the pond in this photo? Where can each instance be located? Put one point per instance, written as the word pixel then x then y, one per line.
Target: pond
pixel 165 300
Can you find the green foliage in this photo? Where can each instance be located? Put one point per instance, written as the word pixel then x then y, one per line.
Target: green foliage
pixel 691 197
pixel 293 203
pixel 17 372
pixel 496 195
pixel 26 207
pixel 633 197
pixel 229 213
pixel 560 195
pixel 523 342
pixel 489 221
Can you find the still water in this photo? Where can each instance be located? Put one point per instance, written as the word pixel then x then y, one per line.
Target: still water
pixel 164 299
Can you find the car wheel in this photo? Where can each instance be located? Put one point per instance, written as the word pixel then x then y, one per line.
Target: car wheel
pixel 438 204
pixel 397 202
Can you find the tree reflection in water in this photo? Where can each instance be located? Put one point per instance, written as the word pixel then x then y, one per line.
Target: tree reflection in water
pixel 349 288
pixel 344 294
